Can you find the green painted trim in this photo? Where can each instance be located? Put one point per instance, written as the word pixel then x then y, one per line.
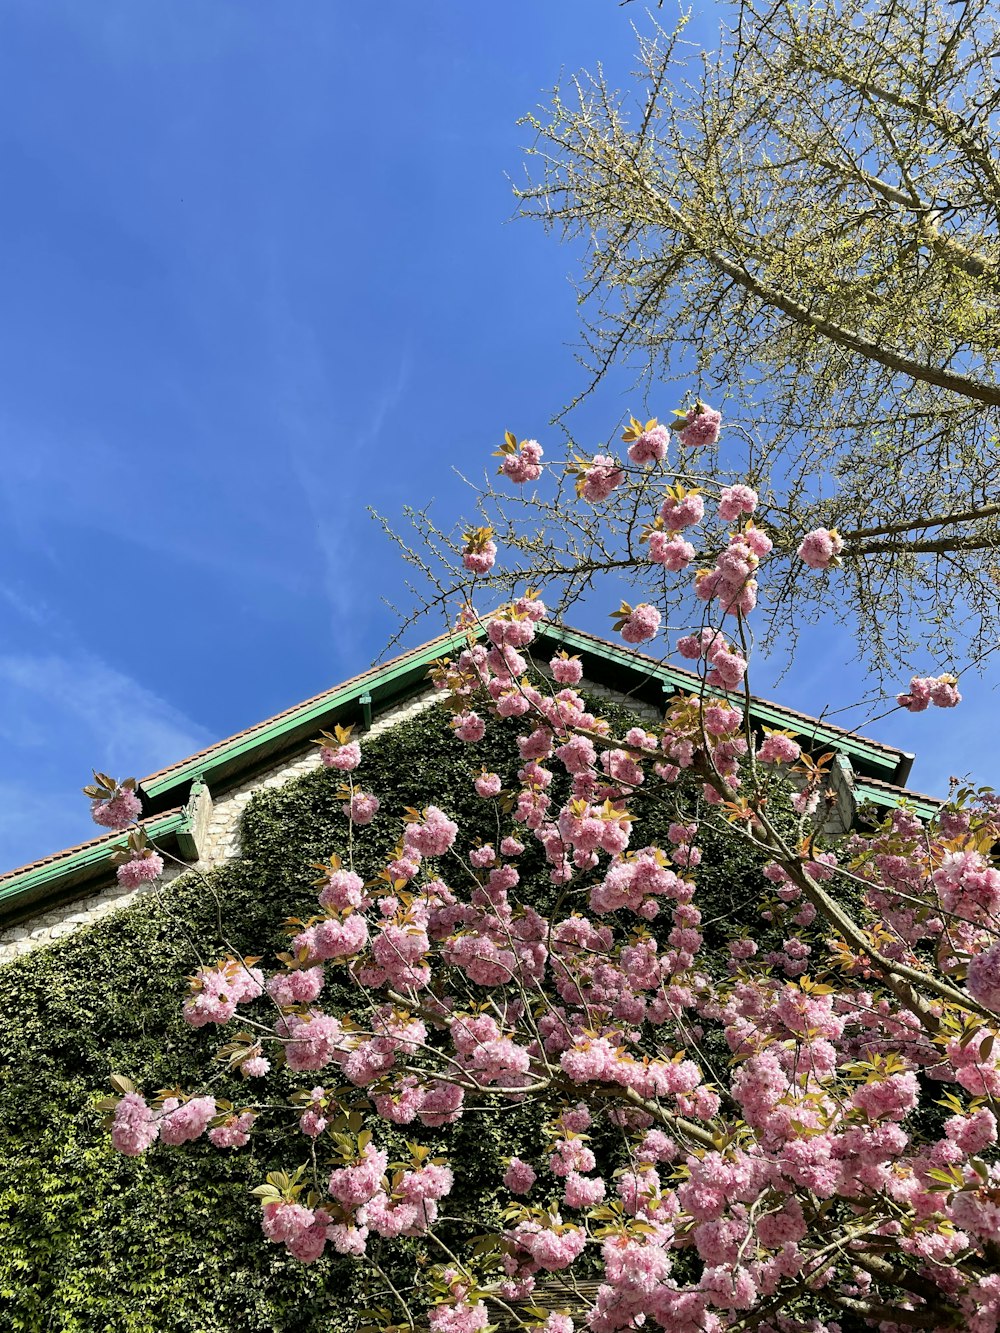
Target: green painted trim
pixel 890 801
pixel 378 686
pixel 671 679
pixel 21 886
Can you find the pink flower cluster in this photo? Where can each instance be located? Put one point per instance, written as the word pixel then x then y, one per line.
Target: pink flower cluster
pixel 142 867
pixel 566 670
pixel 679 512
pixel 599 478
pixel 642 624
pixel 488 785
pixel 727 666
pixel 736 500
pixel 820 548
pixel 118 811
pixel 344 758
pixel 703 427
pixel 650 446
pixel 732 581
pixel 524 465
pixel 218 990
pixel 984 977
pixel 361 808
pixel 778 749
pixel 670 550
pixel 942 691
pixel 479 557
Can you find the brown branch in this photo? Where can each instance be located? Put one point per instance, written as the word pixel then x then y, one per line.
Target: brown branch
pixel 827 328
pixel 912 524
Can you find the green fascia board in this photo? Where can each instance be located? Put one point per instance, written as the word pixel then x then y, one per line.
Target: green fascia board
pixel 38 883
pixel 889 800
pixel 241 755
pixel 386 684
pixel 861 754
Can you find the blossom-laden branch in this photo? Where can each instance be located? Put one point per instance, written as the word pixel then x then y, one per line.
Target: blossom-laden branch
pixel 734 1194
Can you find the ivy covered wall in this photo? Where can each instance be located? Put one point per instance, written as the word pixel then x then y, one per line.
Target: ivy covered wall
pixel 171 1241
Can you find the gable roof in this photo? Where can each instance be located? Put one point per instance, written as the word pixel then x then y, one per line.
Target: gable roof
pixel 880 770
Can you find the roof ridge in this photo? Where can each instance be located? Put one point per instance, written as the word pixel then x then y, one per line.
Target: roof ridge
pixel 767 703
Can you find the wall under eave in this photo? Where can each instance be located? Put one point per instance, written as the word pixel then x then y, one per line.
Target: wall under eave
pixel 219 843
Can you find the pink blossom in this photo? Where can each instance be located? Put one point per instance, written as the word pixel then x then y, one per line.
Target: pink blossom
pixel 480 559
pixel 441 1105
pixel 346 1239
pixel 552 1249
pixel 519 1176
pixel 362 807
pixel 281 1221
pixel 582 1191
pixel 650 446
pixel 736 500
pixel 599 478
pixel 344 758
pixel 311 1041
pixel 758 541
pixel 469 727
pixel 434 836
pixel 642 624
pixel 972 1133
pixel 300 987
pixel 670 550
pixel 531 607
pixel 488 785
pixel 134 1127
pixel 567 670
pixel 180 1122
pixel 335 938
pixel 342 889
pixel 354 1185
pixel 820 548
pixel 942 691
pixel 778 749
pixel 525 465
pixel 984 977
pixel 678 514
pixel 729 1286
pixel 889 1099
pixel 141 868
pixel 118 811
pixel 458 1318
pixel 703 427
pixel 234 1132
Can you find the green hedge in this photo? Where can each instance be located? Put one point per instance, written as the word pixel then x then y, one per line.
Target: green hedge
pixel 92 1241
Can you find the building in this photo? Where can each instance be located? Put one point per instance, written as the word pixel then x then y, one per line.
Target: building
pixel 192 809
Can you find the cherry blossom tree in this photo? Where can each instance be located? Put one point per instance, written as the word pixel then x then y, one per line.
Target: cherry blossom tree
pixel 804 1124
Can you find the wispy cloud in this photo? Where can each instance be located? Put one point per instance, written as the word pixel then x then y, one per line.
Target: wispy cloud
pixel 62 715
pixel 331 441
pixel 130 727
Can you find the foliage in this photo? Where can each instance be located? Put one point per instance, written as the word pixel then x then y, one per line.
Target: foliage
pixel 91 1241
pixel 808 219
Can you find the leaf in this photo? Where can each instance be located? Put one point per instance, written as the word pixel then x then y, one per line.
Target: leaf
pixel 265 1192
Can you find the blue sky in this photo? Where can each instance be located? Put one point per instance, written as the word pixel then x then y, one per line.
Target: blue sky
pixel 258 272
